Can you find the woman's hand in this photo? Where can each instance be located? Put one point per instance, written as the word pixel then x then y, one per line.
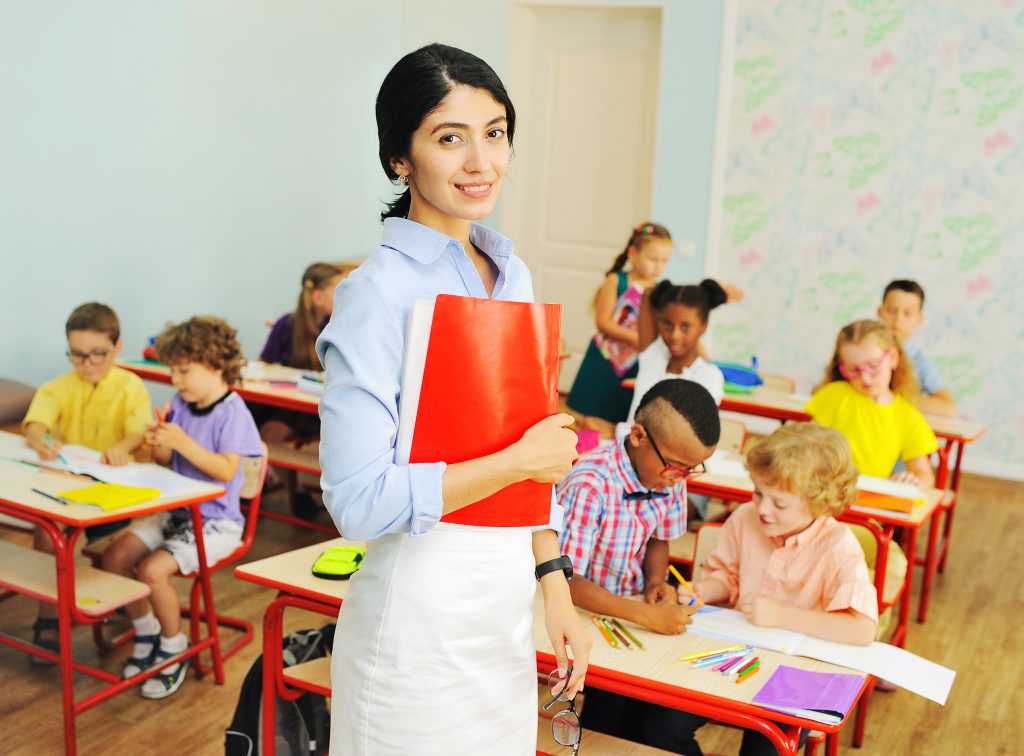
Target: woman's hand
pixel 547 450
pixel 565 629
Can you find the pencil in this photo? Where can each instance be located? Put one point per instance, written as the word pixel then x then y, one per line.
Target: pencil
pixel 682 582
pixel 616 633
pixel 59 455
pixel 609 638
pixel 702 654
pixel 749 673
pixel 50 496
pixel 628 634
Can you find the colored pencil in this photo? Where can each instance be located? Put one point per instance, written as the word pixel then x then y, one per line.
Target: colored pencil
pixel 749 673
pixel 687 586
pixel 709 660
pixel 628 634
pixel 609 638
pixel 729 664
pixel 741 664
pixel 715 652
pixel 616 633
pixel 748 665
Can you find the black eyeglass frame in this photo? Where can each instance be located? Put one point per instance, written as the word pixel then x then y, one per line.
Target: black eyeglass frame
pixel 564 713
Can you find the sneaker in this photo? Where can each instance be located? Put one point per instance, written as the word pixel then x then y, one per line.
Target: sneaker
pixel 137 664
pixel 165 683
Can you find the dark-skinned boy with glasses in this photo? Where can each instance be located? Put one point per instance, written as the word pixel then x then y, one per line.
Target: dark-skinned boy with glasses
pixel 623 503
pixel 97 405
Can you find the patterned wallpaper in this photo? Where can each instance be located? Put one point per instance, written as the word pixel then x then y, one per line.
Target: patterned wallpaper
pixel 871 140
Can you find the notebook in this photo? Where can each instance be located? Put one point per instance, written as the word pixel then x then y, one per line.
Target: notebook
pixel 888 495
pixel 898 666
pixel 821 696
pixel 110 496
pixel 478 373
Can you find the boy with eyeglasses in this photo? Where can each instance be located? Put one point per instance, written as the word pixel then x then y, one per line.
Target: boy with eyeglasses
pixel 97 405
pixel 623 504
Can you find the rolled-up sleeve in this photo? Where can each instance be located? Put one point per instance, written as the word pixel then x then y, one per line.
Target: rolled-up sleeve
pixel 723 563
pixel 367 494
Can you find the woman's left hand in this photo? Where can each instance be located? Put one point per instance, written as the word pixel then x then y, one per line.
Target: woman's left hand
pixel 565 629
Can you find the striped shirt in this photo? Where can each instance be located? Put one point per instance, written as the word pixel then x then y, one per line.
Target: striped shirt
pixel 604 534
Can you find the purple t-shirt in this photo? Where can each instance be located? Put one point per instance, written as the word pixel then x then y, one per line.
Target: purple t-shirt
pixel 227 429
pixel 278 348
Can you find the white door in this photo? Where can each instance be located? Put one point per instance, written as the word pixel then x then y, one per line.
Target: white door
pixel 585 84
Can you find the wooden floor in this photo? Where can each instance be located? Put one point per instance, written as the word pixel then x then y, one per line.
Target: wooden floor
pixel 976 626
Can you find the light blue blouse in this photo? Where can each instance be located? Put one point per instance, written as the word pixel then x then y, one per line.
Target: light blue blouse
pixel 927 374
pixel 362 350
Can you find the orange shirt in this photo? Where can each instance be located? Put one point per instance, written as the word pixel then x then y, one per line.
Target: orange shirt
pixel 821 568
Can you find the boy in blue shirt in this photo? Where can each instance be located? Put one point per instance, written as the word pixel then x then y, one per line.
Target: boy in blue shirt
pixel 902 311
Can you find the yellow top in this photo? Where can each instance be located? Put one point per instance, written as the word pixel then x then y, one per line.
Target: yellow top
pixel 94 415
pixel 879 434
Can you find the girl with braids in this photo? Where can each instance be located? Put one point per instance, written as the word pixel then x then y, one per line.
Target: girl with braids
pixel 434 646
pixel 597 394
pixel 868 394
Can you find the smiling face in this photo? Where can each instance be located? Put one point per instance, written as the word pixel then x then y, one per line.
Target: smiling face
pixel 92 353
pixel 650 258
pixel 901 311
pixel 780 513
pixel 680 327
pixel 197 383
pixel 867 366
pixel 457 160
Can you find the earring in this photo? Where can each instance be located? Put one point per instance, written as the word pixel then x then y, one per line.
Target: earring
pixel 403 180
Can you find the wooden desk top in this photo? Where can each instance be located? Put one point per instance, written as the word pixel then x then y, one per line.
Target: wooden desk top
pixel 258 392
pixel 291 572
pixel 17 481
pixel 660 664
pixel 734 486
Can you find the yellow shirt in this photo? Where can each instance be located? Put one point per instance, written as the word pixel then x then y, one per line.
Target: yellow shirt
pixel 879 434
pixel 97 416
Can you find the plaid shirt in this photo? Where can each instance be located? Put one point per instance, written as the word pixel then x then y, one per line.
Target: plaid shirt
pixel 605 535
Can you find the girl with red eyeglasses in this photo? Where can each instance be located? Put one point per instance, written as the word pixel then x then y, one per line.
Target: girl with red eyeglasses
pixel 868 394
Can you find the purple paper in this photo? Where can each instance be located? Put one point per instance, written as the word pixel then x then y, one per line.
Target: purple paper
pixel 790 688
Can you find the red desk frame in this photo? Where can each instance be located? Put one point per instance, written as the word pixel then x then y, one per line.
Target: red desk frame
pixel 67 611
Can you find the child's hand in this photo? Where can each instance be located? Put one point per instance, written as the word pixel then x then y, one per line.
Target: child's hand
pixel 115 456
pixel 548 449
pixel 655 594
pixel 668 617
pixel 733 293
pixel 905 476
pixel 761 610
pixel 166 435
pixel 684 597
pixel 46 450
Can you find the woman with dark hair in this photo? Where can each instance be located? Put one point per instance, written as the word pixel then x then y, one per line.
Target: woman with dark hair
pixel 434 648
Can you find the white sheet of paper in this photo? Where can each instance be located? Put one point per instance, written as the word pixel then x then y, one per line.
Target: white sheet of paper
pixel 897 665
pixel 727 467
pixel 418 337
pixel 889 487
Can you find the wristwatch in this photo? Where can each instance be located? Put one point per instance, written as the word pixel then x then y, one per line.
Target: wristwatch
pixel 563 563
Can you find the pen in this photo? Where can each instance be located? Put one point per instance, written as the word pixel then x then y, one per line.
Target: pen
pixel 59 455
pixel 702 654
pixel 628 634
pixel 682 582
pixel 604 633
pixel 50 496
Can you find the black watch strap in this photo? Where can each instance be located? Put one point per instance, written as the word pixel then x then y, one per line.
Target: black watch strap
pixel 563 563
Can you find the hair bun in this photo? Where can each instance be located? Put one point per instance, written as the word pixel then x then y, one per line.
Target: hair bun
pixel 715 293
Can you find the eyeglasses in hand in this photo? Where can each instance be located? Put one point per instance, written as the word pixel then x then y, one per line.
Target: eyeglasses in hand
pixel 565 725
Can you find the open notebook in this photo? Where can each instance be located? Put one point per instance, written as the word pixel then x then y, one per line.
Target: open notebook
pixel 909 671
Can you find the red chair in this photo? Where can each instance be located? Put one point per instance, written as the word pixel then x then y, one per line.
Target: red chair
pixel 255 471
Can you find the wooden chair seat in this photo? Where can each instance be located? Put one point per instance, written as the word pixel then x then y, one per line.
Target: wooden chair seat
pixel 97 592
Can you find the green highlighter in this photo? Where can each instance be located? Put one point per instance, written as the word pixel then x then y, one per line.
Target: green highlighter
pixel 339 562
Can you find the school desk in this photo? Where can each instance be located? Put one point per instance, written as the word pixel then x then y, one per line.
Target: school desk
pixel 735 486
pixel 84 595
pixel 257 392
pixel 657 675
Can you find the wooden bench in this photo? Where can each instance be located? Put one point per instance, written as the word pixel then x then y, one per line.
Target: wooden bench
pixel 97 593
pixel 287 457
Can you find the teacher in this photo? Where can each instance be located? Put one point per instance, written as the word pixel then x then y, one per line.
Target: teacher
pixel 434 649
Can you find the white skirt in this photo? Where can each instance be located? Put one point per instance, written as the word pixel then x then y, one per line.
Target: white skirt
pixel 434 650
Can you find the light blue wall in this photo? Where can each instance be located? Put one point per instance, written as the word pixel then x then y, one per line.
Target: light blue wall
pixel 176 158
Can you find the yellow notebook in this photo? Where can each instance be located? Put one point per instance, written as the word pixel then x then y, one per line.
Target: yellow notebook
pixel 110 496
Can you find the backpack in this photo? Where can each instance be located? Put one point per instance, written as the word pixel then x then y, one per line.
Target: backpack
pixel 303 726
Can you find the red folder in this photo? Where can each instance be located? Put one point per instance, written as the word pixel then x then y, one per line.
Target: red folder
pixel 491 372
